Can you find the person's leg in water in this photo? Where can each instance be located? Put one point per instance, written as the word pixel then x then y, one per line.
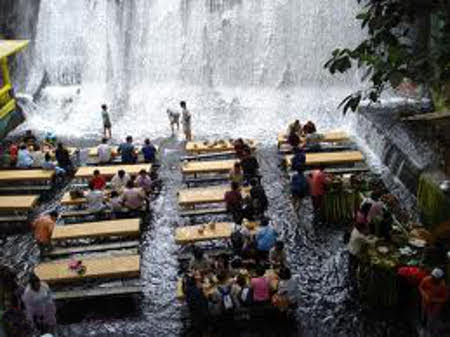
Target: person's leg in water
pixel 317 206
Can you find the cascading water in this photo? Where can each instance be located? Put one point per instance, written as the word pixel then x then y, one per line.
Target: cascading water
pixel 233 61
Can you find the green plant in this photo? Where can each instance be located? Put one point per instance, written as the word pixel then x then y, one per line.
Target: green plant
pixel 390 53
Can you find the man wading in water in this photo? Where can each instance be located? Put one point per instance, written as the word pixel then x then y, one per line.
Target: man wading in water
pixel 186 119
pixel 106 122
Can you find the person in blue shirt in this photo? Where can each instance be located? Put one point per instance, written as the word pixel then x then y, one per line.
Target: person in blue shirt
pixel 265 237
pixel 299 159
pixel 299 188
pixel 128 151
pixel 24 158
pixel 149 151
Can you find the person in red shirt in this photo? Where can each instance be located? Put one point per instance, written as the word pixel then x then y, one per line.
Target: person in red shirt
pixel 434 294
pixel 13 153
pixel 317 181
pixel 98 182
pixel 233 202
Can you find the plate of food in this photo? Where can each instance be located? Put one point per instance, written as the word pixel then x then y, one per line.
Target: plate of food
pixel 418 243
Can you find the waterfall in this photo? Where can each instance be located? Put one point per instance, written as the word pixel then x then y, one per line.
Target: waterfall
pixel 141 56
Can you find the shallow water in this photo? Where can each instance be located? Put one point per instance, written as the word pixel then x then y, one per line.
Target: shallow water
pixel 316 255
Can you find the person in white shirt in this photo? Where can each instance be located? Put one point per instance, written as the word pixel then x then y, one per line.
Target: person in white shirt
pixel 95 200
pixel 119 181
pixel 104 152
pixel 358 238
pixel 38 157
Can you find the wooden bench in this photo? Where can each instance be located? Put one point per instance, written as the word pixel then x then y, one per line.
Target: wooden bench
pixel 109 171
pixel 96 292
pixel 329 158
pixel 125 227
pixel 209 156
pixel 18 203
pixel 202 167
pixel 96 268
pixel 222 230
pixel 209 180
pixel 57 252
pixel 204 195
pixel 287 149
pixel 26 175
pixel 328 137
pixel 25 189
pixel 203 211
pixel 211 147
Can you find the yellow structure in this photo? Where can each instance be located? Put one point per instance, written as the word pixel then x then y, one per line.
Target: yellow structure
pixel 7 101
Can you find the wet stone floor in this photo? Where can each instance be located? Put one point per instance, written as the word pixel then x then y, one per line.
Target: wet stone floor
pixel 316 253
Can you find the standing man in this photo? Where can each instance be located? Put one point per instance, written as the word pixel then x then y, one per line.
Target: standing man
pixel 174 119
pixel 186 119
pixel 106 122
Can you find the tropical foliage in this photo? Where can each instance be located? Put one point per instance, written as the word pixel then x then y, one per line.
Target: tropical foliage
pixel 408 41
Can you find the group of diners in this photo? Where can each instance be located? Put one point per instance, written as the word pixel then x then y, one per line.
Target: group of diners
pixel 125 192
pixel 254 279
pixel 244 173
pixel 299 135
pixel 30 153
pixel 128 151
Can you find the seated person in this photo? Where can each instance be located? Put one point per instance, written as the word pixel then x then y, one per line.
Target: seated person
pixel 277 255
pixel 295 127
pixel 29 138
pixel 236 174
pixel 128 151
pixel 119 181
pixel 293 139
pixel 199 261
pixel 221 298
pixel 24 158
pixel 241 292
pixel 309 128
pixel 298 160
pixel 260 287
pixel 233 202
pixel 63 158
pixel 287 289
pixel 265 237
pixel 38 156
pixel 299 185
pixel 134 198
pixel 13 154
pixel 143 181
pixel 98 181
pixel 197 304
pixel 104 152
pixel 149 151
pixel 50 165
pixel 240 237
pixel 362 214
pixel 221 264
pixel 240 147
pixel 43 227
pixel 95 200
pixel 259 198
pixel 115 202
pixel 249 165
pixel 156 182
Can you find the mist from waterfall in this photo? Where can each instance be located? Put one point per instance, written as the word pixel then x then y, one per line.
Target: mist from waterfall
pixel 245 65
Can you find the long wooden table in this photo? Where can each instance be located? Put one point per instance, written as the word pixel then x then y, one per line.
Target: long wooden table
pixel 111 267
pixel 205 195
pixel 328 137
pixel 211 147
pixel 110 171
pixel 20 203
pixel 329 158
pixel 24 175
pixel 216 166
pixel 222 230
pixel 126 227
